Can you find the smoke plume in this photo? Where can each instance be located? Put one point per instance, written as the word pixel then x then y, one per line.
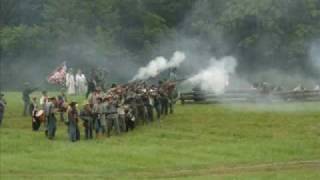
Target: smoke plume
pixel 216 77
pixel 158 65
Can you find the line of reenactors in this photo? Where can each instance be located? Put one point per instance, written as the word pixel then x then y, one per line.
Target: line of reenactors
pixel 123 107
pixel 114 111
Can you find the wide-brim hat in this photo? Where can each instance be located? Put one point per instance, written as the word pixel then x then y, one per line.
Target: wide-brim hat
pixel 73 103
pixel 108 96
pixel 52 98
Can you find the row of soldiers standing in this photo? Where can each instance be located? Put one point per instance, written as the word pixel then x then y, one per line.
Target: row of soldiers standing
pixel 123 107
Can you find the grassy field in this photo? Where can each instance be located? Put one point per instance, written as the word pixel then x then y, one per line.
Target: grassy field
pixel 278 141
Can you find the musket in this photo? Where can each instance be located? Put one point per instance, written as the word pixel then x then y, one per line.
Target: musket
pixel 180 80
pixel 175 81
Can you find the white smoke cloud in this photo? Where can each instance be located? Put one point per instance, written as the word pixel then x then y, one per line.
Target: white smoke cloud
pixel 158 65
pixel 216 77
pixel 177 58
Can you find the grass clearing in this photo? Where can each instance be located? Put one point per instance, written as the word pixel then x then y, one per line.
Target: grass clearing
pixel 197 142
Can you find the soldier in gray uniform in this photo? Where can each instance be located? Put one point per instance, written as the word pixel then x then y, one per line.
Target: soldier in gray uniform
pixel 51 119
pixel 104 120
pixel 73 128
pixel 172 96
pixel 130 99
pixel 156 102
pixel 164 100
pixel 87 116
pixel 3 104
pixel 121 114
pixel 26 97
pixel 129 118
pixel 112 116
pixel 99 113
pixel 141 114
pixel 148 104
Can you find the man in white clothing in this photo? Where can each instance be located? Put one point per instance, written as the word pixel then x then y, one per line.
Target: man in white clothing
pixel 70 83
pixel 81 82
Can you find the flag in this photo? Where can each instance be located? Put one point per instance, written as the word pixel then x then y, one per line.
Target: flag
pixel 58 76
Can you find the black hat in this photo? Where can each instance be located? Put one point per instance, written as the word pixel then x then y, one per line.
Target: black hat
pixel 72 103
pixel 52 98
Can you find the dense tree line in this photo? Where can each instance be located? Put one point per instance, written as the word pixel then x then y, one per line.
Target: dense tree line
pixel 264 33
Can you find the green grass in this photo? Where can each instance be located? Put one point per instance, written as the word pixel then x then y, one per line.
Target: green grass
pixel 197 142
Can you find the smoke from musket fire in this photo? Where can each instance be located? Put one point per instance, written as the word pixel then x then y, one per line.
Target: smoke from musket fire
pixel 216 77
pixel 158 65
